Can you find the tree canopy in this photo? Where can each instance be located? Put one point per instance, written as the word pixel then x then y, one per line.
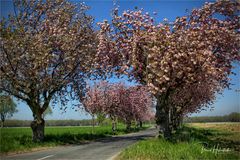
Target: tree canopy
pixel 119 101
pixel 46 53
pixel 193 51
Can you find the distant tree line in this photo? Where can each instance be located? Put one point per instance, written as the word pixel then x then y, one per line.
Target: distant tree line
pixel 232 117
pixel 70 122
pixel 26 123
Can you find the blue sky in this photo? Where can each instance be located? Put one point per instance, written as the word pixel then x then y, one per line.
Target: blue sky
pixel 100 10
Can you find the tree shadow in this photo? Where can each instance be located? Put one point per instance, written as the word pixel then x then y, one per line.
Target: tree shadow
pixel 63 139
pixel 68 138
pixel 73 138
pixel 84 138
pixel 209 138
pixel 125 138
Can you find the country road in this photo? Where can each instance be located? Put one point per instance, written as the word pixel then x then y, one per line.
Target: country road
pixel 102 149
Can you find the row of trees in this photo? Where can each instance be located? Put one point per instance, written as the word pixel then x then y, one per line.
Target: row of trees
pixel 68 122
pixel 49 50
pixel 117 101
pixel 233 117
pixel 184 63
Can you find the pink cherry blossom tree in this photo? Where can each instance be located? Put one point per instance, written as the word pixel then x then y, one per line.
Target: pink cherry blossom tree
pixel 141 104
pixel 46 53
pixel 119 102
pixel 104 98
pixel 198 48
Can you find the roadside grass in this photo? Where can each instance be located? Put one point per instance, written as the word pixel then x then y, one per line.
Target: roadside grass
pixel 221 134
pixel 188 143
pixel 17 140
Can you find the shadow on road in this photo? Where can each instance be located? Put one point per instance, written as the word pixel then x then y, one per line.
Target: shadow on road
pixel 77 139
pixel 129 137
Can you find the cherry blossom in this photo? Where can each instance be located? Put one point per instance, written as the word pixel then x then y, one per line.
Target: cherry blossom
pixel 195 49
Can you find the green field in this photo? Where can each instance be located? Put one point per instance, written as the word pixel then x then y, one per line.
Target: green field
pixel 20 139
pixel 194 141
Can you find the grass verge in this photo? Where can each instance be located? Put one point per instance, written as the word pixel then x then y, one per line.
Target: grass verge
pixel 188 143
pixel 17 140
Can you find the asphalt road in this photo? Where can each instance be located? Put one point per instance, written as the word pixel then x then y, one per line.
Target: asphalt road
pixel 102 149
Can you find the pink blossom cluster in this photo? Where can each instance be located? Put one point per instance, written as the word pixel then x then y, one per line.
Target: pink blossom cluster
pixel 118 100
pixel 193 51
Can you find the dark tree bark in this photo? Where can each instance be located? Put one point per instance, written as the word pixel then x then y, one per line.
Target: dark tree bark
pixel 93 124
pixel 2 120
pixel 177 119
pixel 37 126
pixel 163 115
pixel 114 125
pixel 128 125
pixel 180 122
pixel 140 124
pixel 174 118
pixel 38 122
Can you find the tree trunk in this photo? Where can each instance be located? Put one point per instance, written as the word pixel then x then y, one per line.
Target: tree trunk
pixel 2 124
pixel 174 119
pixel 167 130
pixel 175 124
pixel 38 122
pixel 128 127
pixel 93 124
pixel 37 126
pixel 114 127
pixel 180 122
pixel 140 124
pixel 163 116
pixel 2 120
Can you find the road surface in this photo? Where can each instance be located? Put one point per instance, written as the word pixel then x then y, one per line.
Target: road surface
pixel 102 149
